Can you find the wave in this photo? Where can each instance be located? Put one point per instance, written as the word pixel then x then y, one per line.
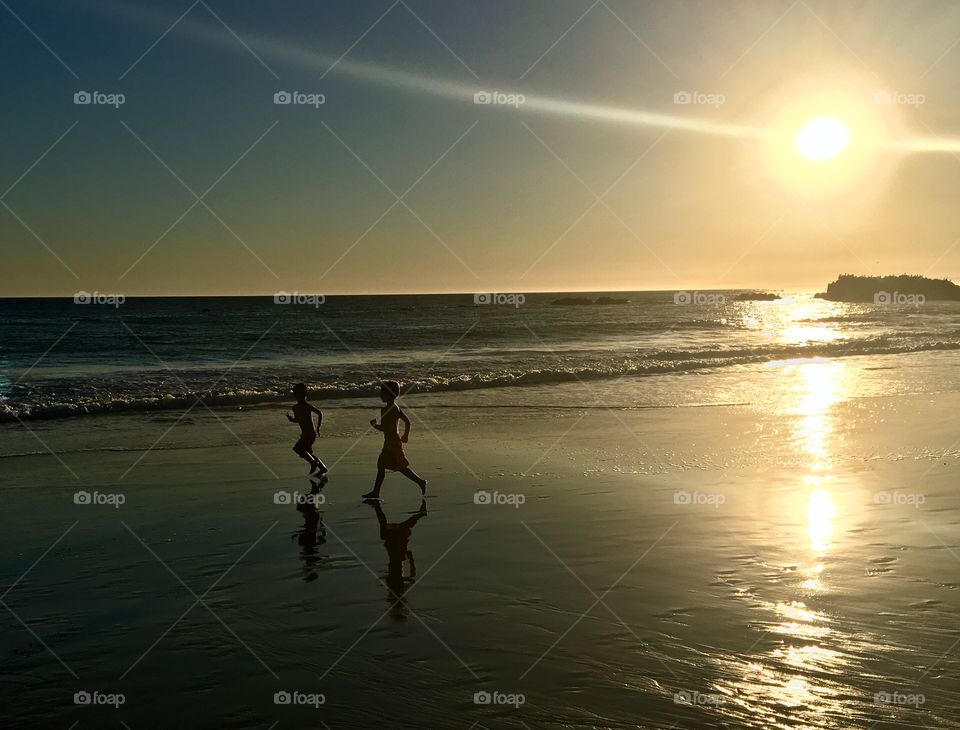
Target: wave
pixel 152 391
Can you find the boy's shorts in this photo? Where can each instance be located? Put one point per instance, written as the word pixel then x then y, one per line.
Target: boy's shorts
pixel 305 443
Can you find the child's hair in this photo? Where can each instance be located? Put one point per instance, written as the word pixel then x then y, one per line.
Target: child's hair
pixel 391 387
pixel 300 389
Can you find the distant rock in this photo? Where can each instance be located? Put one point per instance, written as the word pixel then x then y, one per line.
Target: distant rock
pixel 905 288
pixel 583 301
pixel 756 296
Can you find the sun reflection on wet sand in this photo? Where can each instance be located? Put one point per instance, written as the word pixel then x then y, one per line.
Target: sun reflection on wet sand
pixel 798 673
pixel 820 514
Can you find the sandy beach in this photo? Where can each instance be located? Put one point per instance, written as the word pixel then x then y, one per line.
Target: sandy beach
pixel 688 567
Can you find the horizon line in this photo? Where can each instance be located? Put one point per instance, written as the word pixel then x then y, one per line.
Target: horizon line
pixel 417 294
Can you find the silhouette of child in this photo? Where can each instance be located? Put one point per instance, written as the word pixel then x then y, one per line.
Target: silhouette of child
pixel 303 415
pixel 392 456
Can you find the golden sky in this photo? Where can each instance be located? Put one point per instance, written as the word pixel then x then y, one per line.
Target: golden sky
pixel 467 148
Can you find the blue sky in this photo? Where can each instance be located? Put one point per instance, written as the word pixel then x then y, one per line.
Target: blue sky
pixel 509 201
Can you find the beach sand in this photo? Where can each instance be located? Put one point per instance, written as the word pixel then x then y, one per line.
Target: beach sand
pixel 722 566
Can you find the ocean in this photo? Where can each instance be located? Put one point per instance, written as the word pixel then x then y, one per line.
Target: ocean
pixel 61 359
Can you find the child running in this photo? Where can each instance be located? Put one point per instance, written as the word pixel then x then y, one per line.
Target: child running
pixel 303 415
pixel 392 456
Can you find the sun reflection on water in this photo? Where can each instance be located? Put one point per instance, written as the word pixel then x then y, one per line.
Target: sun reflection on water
pixel 793 321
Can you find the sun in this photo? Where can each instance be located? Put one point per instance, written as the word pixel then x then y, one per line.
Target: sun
pixel 830 142
pixel 822 139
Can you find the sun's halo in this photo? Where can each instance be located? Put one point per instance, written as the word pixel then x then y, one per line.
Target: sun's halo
pixel 822 138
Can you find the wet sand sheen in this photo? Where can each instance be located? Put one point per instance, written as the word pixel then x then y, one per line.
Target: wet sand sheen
pixel 808 587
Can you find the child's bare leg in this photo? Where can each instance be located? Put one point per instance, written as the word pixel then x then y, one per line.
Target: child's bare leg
pixel 375 494
pixel 305 455
pixel 414 477
pixel 317 465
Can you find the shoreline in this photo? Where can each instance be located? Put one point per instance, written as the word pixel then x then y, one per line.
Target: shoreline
pixel 263 425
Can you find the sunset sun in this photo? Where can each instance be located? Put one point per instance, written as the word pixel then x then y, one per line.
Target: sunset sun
pixel 822 138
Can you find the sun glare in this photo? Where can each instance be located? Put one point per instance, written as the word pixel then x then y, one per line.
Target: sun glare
pixel 830 143
pixel 822 139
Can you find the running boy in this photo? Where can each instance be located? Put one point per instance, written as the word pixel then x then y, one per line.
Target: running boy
pixel 392 456
pixel 303 415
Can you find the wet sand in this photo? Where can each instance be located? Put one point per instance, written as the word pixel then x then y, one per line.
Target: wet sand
pixel 685 567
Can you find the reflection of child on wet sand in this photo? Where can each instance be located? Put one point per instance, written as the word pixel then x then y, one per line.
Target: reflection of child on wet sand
pixel 313 532
pixel 396 539
pixel 392 456
pixel 303 416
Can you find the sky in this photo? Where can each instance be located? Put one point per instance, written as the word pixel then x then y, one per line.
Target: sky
pixel 589 171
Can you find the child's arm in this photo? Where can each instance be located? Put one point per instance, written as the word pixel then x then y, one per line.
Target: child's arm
pixel 319 418
pixel 291 418
pixel 406 425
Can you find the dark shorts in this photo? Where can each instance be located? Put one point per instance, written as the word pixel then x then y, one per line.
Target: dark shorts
pixel 305 443
pixel 392 456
